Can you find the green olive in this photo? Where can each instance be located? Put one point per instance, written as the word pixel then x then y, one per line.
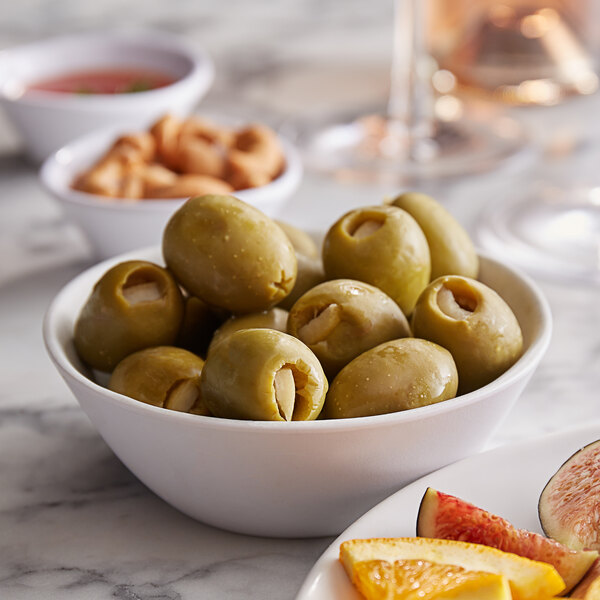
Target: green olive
pixel 300 240
pixel 451 248
pixel 200 322
pixel 383 246
pixel 274 318
pixel 310 265
pixel 163 376
pixel 340 319
pixel 394 376
pixel 474 323
pixel 134 305
pixel 229 254
pixel 264 375
pixel 310 274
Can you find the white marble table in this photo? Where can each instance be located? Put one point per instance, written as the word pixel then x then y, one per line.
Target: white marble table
pixel 74 523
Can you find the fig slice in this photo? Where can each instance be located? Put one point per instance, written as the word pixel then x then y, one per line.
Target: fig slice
pixel 569 505
pixel 447 517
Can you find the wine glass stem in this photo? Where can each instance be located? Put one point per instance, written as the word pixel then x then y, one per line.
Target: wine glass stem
pixel 410 104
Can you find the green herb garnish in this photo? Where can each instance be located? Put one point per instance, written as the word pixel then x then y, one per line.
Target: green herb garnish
pixel 138 86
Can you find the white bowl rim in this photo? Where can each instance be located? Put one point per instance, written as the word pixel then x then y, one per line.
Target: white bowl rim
pixel 327 426
pixel 289 177
pixel 201 67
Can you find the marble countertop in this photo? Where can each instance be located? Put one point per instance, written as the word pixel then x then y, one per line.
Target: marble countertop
pixel 74 522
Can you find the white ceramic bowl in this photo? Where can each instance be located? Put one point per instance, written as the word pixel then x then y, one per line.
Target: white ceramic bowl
pixel 115 226
pixel 48 120
pixel 295 479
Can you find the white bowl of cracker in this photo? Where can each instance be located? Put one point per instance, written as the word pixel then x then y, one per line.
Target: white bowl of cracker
pixel 121 186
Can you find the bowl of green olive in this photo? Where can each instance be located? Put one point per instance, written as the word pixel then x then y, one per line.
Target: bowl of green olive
pixel 264 385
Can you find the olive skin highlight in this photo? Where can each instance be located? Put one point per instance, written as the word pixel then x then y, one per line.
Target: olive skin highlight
pixel 452 251
pixel 163 376
pixel 340 319
pixel 264 375
pixel 474 323
pixel 383 246
pixel 394 376
pixel 134 305
pixel 229 254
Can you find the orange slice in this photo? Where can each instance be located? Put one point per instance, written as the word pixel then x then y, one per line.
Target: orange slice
pixel 424 580
pixel 528 579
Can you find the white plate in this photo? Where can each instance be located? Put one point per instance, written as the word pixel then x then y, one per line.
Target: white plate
pixel 506 481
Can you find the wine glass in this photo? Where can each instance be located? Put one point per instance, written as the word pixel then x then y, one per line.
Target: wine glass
pixel 551 226
pixel 519 52
pixel 421 137
pixel 552 229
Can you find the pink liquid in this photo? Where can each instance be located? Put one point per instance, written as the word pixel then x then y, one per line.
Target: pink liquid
pixel 105 81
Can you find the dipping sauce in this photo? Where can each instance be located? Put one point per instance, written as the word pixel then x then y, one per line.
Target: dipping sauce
pixel 104 81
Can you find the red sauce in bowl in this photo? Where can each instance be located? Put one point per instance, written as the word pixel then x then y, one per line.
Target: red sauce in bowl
pixel 105 81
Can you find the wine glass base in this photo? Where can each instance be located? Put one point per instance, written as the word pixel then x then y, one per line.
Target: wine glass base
pixel 554 233
pixel 372 149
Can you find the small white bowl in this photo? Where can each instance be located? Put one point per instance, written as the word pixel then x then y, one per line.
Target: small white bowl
pixel 113 226
pixel 298 479
pixel 47 120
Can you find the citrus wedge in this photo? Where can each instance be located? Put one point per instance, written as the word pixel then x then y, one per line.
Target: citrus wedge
pixel 528 579
pixel 424 580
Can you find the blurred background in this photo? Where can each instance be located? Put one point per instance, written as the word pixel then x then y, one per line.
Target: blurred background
pixel 272 58
pixel 313 59
pixel 302 65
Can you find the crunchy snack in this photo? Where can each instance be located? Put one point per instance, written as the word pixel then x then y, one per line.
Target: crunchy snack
pixel 166 133
pixel 193 185
pixel 143 144
pixel 198 156
pixel 256 157
pixel 178 158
